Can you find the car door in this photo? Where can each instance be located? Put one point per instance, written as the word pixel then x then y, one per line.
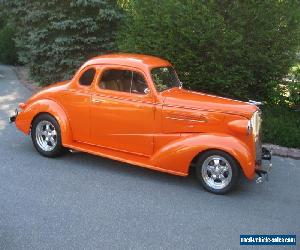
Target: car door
pixel 123 111
pixel 77 104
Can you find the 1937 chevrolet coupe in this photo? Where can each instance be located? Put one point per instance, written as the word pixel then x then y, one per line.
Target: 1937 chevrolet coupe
pixel 132 108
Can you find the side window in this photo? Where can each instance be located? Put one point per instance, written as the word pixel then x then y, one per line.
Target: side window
pixel 123 80
pixel 87 77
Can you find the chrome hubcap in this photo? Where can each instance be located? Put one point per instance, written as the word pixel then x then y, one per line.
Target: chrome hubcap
pixel 216 172
pixel 46 135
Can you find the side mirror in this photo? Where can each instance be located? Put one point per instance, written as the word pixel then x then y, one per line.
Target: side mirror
pixel 146 90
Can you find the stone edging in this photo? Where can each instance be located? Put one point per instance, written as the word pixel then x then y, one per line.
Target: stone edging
pixel 283 151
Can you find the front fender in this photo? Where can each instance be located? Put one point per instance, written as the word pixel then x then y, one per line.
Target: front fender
pixel 25 117
pixel 177 155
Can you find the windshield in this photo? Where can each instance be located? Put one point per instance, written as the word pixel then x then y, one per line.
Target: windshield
pixel 164 78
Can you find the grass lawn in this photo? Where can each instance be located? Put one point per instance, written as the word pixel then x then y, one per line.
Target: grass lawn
pixel 281 126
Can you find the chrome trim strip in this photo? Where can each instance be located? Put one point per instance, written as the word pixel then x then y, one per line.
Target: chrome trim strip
pixel 183 119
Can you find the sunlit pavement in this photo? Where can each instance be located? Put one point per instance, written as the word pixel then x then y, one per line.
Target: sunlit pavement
pixel 81 201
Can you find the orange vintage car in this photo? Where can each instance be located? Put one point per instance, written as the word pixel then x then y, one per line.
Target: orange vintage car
pixel 133 108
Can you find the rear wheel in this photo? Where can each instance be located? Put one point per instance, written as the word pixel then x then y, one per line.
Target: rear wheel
pixel 46 136
pixel 217 171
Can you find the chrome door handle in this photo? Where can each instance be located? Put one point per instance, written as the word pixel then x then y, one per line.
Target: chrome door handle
pixel 96 100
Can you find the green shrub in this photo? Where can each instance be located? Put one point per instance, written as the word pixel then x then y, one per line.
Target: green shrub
pixel 281 126
pixel 294 87
pixel 55 37
pixel 234 48
pixel 287 92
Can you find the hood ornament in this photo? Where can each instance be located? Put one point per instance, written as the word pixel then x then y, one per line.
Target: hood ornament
pixel 256 103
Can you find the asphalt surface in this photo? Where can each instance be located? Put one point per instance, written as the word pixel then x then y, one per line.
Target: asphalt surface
pixel 80 201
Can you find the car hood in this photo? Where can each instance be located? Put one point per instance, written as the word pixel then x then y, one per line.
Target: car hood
pixel 197 100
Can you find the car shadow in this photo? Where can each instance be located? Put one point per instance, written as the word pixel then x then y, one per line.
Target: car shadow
pixel 97 163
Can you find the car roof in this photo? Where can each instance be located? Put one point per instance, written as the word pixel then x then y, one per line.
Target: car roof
pixel 133 60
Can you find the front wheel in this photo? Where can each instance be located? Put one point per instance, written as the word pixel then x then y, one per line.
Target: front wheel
pixel 217 171
pixel 45 135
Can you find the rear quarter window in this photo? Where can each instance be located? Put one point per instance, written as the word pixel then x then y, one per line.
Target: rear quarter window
pixel 87 77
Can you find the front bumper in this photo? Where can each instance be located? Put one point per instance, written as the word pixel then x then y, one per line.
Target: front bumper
pixel 12 119
pixel 263 166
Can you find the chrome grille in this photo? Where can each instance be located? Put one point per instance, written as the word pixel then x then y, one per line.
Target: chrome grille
pixel 258 147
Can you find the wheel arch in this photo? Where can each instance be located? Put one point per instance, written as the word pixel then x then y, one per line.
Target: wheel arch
pixel 45 106
pixel 184 150
pixel 196 157
pixel 41 113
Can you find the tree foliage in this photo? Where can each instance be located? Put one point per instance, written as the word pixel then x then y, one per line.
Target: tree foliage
pixel 230 47
pixel 8 53
pixel 55 37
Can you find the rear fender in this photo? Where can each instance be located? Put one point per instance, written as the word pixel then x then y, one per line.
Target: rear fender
pixel 177 155
pixel 25 117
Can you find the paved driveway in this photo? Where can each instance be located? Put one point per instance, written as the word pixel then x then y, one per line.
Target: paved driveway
pixel 81 201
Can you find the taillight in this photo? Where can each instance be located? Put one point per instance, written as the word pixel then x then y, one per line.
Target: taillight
pixel 22 105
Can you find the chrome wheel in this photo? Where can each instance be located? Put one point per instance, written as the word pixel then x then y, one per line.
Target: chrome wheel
pixel 46 135
pixel 216 172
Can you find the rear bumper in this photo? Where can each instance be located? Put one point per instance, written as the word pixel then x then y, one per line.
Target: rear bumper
pixel 263 166
pixel 12 119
